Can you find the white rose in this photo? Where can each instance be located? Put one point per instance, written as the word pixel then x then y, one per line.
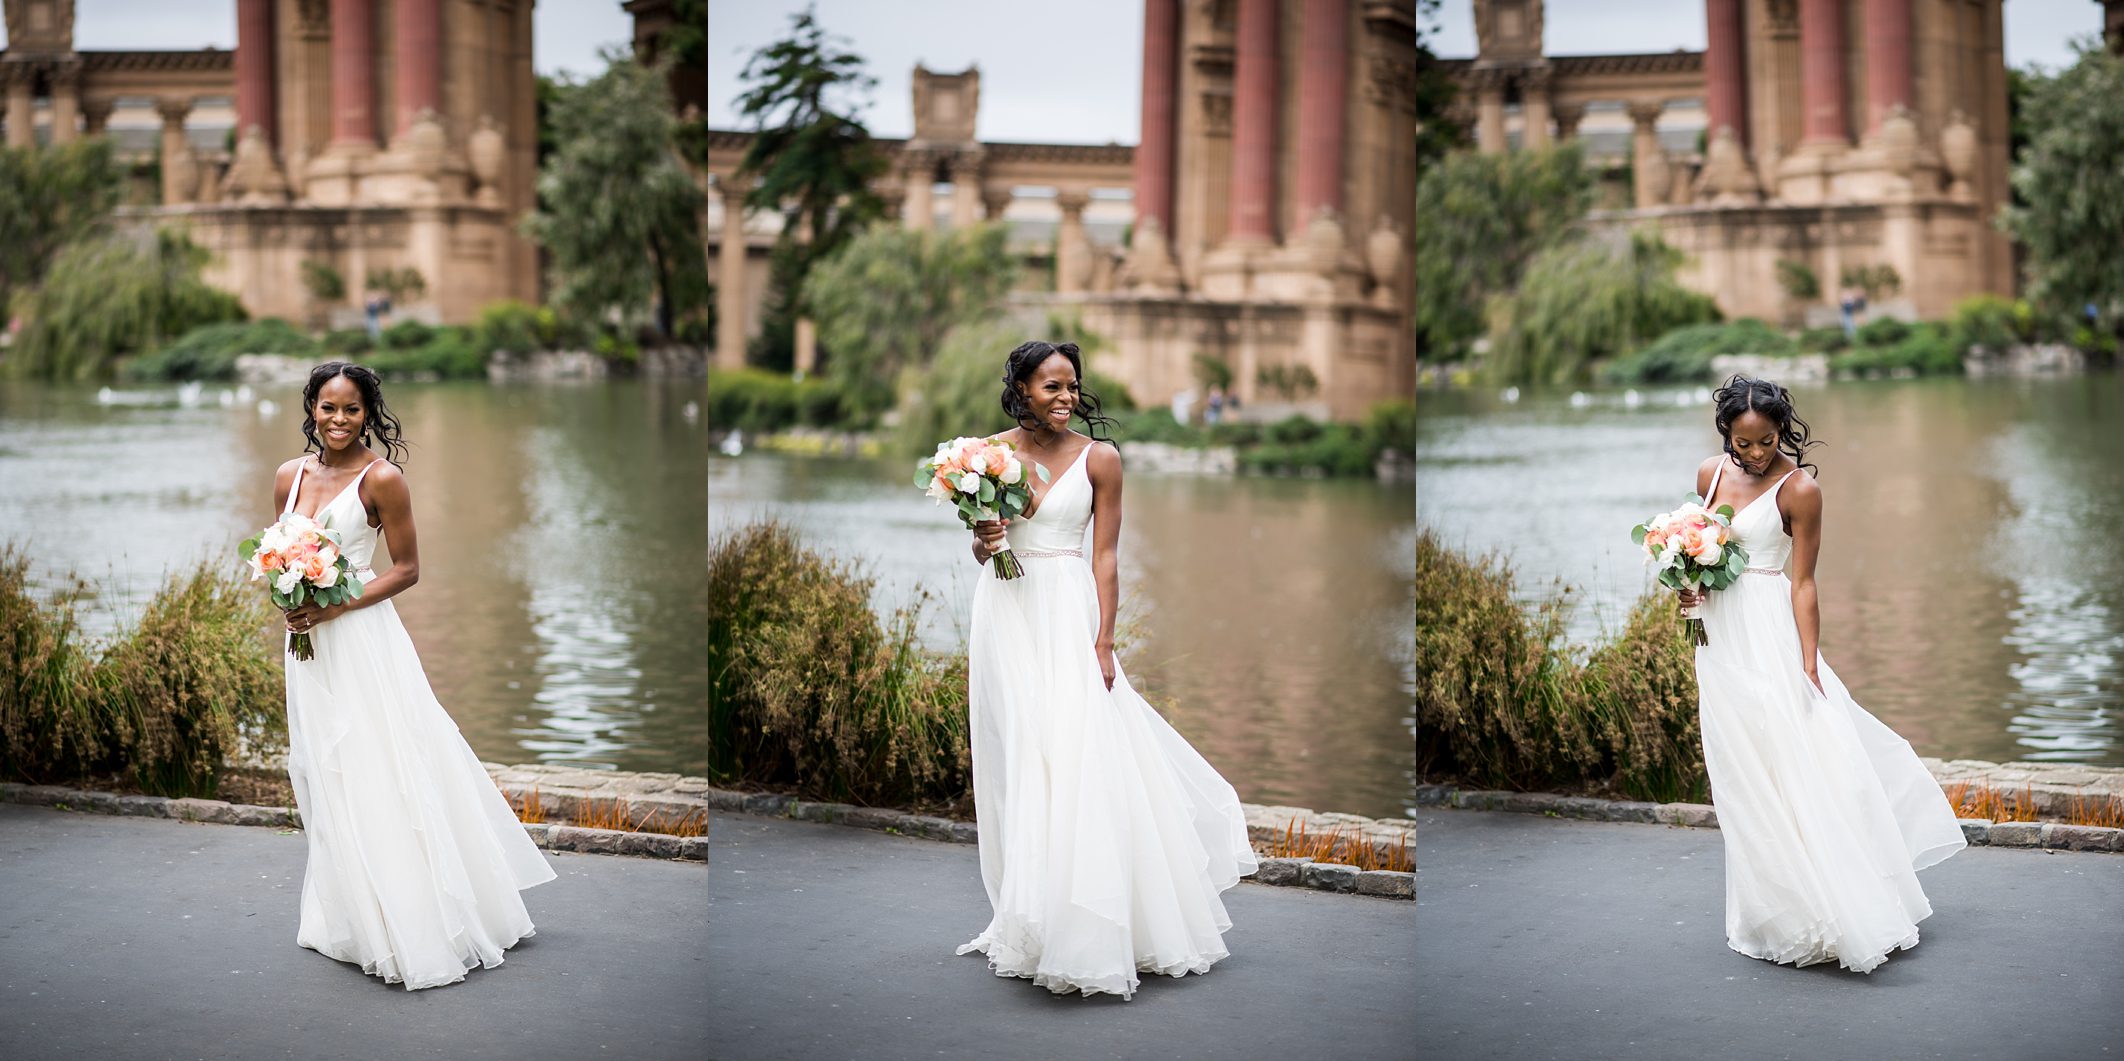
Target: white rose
pixel 970 483
pixel 287 580
pixel 329 579
pixel 1013 473
pixel 1711 553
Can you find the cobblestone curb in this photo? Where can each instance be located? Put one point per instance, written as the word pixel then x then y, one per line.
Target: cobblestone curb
pixel 552 837
pixel 1263 824
pixel 1980 832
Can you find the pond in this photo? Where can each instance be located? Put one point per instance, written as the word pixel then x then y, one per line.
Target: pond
pixel 1269 619
pixel 562 609
pixel 1971 575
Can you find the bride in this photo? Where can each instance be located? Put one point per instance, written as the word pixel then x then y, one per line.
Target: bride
pixel 1826 814
pixel 415 859
pixel 1105 839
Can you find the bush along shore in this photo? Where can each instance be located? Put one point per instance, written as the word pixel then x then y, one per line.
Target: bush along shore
pixel 651 815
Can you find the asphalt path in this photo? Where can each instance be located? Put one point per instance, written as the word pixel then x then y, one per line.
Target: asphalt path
pixel 836 943
pixel 1544 938
pixel 142 938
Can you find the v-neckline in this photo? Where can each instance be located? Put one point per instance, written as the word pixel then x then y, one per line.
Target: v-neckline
pixel 312 517
pixel 1053 478
pixel 1767 491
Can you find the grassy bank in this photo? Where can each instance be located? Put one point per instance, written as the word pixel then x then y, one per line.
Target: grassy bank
pixel 812 693
pixel 1503 702
pixel 164 705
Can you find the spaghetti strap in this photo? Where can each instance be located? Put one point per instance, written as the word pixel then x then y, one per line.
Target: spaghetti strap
pixel 1715 473
pixel 295 489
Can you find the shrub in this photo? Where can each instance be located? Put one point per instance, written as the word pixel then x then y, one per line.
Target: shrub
pixel 809 690
pixel 408 334
pixel 1684 354
pixel 1501 702
pixel 1826 340
pixel 1886 331
pixel 1331 449
pixel 210 352
pixel 1798 279
pixel 1927 349
pixel 168 702
pixel 347 342
pixel 513 326
pixel 447 353
pixel 324 283
pixel 755 400
pixel 1992 322
pixel 1392 425
pixel 1294 429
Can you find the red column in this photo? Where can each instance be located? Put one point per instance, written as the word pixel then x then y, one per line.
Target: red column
pixel 1154 154
pixel 1822 71
pixel 1726 68
pixel 1321 104
pixel 254 68
pixel 353 76
pixel 1254 122
pixel 1887 58
pixel 418 46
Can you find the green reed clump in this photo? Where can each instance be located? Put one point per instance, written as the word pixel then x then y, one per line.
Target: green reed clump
pixel 810 689
pixel 167 701
pixel 1503 702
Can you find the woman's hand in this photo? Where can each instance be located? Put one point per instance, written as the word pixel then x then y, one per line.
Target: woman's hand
pixel 305 619
pixel 988 538
pixel 1814 678
pixel 1690 598
pixel 1105 651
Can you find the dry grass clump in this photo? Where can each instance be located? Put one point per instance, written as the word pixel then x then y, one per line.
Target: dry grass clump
pixel 809 689
pixel 1977 800
pixel 1347 849
pixel 166 702
pixel 1502 702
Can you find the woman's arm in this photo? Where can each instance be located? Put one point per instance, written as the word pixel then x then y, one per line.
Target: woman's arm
pixel 388 494
pixel 1103 464
pixel 1801 503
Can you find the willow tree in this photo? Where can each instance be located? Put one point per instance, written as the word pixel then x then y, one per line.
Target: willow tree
pixel 1480 219
pixel 112 297
pixel 618 211
pixel 51 197
pixel 1585 300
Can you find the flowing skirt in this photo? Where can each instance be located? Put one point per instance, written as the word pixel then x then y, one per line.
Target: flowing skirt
pixel 1106 839
pixel 415 858
pixel 1826 814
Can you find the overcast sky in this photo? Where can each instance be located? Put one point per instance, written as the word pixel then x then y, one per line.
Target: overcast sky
pixel 565 33
pixel 2036 30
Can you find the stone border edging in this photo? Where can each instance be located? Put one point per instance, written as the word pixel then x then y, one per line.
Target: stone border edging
pixel 220 812
pixel 1263 824
pixel 1980 832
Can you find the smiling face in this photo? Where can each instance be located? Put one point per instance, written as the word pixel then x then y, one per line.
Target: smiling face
pixel 340 414
pixel 1051 393
pixel 1753 437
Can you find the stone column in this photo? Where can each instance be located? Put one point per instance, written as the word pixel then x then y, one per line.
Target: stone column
pixel 254 70
pixel 1072 248
pixel 1648 160
pixel 21 109
pixel 417 48
pixel 1887 59
pixel 1822 72
pixel 965 190
pixel 1321 106
pixel 66 103
pixel 1489 120
pixel 96 115
pixel 1254 125
pixel 1534 110
pixel 1568 115
pixel 180 169
pixel 730 277
pixel 1154 154
pixel 920 211
pixel 353 79
pixel 1726 69
pixel 994 201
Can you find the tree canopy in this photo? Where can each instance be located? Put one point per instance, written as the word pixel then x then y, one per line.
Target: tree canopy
pixel 51 197
pixel 1585 299
pixel 2069 189
pixel 110 297
pixel 1480 218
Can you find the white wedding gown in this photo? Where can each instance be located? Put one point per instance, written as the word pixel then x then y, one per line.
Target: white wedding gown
pixel 1105 838
pixel 415 858
pixel 1826 813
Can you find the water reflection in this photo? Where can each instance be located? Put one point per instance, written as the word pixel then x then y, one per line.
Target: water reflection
pixel 1270 619
pixel 1970 589
pixel 560 612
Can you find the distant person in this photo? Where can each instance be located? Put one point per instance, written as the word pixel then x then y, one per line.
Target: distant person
pixel 1213 408
pixel 1848 304
pixel 1106 840
pixel 1826 814
pixel 373 309
pixel 415 859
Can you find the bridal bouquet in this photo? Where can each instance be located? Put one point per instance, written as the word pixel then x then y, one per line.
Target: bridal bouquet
pixel 301 558
pixel 1692 547
pixel 985 480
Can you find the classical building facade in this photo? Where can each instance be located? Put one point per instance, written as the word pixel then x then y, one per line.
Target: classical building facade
pixel 1267 208
pixel 369 135
pixel 1836 134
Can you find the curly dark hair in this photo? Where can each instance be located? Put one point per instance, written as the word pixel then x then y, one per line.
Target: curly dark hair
pixel 379 424
pixel 1019 369
pixel 1743 393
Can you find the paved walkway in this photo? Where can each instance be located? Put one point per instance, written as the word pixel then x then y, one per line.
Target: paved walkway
pixel 834 943
pixel 124 938
pixel 1541 938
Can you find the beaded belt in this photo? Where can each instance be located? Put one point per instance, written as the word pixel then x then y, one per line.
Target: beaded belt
pixel 1764 570
pixel 1040 554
